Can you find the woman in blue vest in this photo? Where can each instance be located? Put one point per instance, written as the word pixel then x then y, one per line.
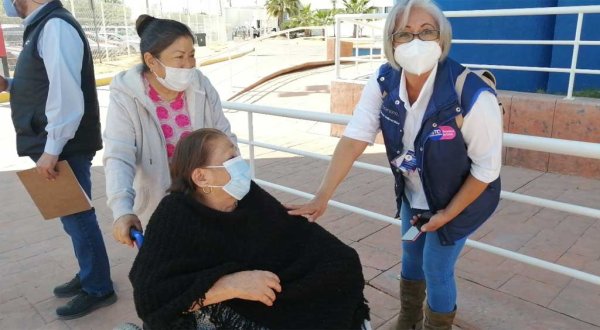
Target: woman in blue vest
pixel 444 151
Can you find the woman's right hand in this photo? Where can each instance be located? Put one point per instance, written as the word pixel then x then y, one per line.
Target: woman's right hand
pixel 311 210
pixel 122 226
pixel 255 285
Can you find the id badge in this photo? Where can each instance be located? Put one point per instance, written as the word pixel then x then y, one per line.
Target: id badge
pixel 407 162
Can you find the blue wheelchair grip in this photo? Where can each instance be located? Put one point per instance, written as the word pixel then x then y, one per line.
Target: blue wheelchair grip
pixel 137 236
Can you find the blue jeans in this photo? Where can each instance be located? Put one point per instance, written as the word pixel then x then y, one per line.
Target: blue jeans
pixel 88 244
pixel 426 259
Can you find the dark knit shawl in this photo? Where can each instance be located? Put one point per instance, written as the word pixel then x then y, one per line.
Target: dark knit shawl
pixel 189 246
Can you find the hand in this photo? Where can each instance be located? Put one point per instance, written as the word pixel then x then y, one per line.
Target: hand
pixel 122 226
pixel 437 220
pixel 46 166
pixel 255 285
pixel 312 210
pixel 3 84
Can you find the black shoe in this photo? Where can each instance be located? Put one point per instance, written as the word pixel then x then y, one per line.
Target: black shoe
pixel 69 289
pixel 84 304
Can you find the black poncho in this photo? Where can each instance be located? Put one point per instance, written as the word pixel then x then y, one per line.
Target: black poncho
pixel 189 246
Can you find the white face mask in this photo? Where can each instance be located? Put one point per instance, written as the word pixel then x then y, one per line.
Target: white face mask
pixel 176 79
pixel 417 56
pixel 239 171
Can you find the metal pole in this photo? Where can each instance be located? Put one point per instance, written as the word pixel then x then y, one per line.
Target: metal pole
pixel 188 16
pixel 575 55
pixel 127 30
pixel 251 145
pixel 338 44
pixel 5 67
pixel 104 30
pixel 72 8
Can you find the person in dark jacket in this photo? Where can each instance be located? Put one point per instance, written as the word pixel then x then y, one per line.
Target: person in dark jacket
pixel 444 150
pixel 55 113
pixel 220 252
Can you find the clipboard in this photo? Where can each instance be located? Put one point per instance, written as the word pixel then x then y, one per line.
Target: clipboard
pixel 61 197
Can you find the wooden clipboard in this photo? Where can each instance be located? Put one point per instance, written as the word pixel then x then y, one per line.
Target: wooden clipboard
pixel 61 197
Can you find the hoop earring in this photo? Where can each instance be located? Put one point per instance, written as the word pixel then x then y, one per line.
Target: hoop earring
pixel 204 190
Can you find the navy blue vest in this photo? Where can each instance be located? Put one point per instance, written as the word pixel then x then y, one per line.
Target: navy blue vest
pixel 29 92
pixel 442 160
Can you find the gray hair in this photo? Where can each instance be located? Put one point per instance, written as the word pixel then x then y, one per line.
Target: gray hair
pixel 402 9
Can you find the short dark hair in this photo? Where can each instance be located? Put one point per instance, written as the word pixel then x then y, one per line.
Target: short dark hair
pixel 157 34
pixel 192 151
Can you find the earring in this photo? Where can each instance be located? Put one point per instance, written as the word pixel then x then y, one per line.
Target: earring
pixel 204 190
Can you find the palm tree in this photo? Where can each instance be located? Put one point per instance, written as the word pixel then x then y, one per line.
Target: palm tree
pixel 357 7
pixel 279 8
pixel 324 17
pixel 305 17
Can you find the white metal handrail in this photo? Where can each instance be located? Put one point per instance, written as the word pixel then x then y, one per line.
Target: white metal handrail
pixel 474 244
pixel 572 70
pixel 528 142
pixel 576 148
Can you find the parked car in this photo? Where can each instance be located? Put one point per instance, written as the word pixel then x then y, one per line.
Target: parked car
pixel 100 47
pixel 121 41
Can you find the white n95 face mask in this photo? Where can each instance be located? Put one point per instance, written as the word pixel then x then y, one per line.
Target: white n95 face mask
pixel 176 79
pixel 239 171
pixel 417 56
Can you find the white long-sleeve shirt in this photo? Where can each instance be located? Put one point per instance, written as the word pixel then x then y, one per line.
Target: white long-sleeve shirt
pixel 481 130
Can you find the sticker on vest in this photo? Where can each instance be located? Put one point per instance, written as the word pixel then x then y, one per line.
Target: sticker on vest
pixel 390 119
pixel 389 115
pixel 389 111
pixel 442 133
pixel 407 162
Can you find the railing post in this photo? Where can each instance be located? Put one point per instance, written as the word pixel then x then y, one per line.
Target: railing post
pixel 126 30
pixel 72 8
pixel 575 55
pixel 251 145
pixel 338 44
pixel 104 31
pixel 230 65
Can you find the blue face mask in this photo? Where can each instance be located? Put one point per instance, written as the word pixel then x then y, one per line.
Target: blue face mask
pixel 239 171
pixel 10 9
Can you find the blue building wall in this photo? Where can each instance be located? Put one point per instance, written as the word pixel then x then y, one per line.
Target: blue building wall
pixel 589 56
pixel 549 27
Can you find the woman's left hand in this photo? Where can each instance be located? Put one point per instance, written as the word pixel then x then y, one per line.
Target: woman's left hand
pixel 437 220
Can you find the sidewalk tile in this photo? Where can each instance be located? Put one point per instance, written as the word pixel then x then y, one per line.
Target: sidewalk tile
pixel 530 290
pixel 375 258
pixel 388 281
pixel 382 305
pixel 19 314
pixel 388 239
pixel 578 302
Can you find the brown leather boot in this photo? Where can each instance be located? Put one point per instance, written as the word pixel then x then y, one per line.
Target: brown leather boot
pixel 438 321
pixel 412 294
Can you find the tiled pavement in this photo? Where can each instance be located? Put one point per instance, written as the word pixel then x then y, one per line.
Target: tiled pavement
pixel 494 292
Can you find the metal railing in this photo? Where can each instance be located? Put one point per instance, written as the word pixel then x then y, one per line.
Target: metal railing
pixel 564 147
pixel 573 70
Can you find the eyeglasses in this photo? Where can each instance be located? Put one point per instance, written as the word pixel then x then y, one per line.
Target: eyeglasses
pixel 425 35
